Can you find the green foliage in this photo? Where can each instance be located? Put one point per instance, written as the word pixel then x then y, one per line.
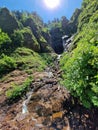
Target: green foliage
pixel 17 91
pixel 25 37
pixel 7 64
pixel 17 38
pixel 25 29
pixel 49 58
pixel 4 38
pixel 28 60
pixel 29 39
pixel 80 71
pixel 5 42
pixel 89 11
pixel 80 67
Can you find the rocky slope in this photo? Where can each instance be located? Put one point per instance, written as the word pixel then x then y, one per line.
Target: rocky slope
pixel 46 106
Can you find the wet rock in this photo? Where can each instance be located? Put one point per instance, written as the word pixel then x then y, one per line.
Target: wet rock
pixel 36 86
pixel 50 81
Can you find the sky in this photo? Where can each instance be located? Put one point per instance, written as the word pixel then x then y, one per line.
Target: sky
pixel 65 8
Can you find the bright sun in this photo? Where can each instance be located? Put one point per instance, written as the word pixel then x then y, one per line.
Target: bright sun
pixel 52 3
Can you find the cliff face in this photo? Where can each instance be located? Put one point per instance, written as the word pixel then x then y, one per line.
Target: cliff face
pixel 59 28
pixel 30 40
pixel 8 23
pixel 39 38
pixel 73 23
pixel 56 37
pixel 16 24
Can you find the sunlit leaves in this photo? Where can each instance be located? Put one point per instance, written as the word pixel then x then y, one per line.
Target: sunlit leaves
pixel 80 67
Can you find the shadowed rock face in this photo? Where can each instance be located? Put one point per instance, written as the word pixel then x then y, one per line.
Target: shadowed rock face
pixel 43 38
pixel 56 38
pixel 30 40
pixel 7 22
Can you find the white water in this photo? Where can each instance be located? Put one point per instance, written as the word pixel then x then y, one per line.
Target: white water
pixel 24 108
pixel 50 74
pixel 25 103
pixel 59 56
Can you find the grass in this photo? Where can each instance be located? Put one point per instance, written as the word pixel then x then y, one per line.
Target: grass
pixel 28 60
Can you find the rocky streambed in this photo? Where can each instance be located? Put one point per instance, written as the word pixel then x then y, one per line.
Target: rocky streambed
pixel 47 106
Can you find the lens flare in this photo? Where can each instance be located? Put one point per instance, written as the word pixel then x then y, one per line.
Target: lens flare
pixel 52 3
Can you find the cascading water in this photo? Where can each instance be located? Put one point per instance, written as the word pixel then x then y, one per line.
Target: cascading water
pixel 28 97
pixel 25 103
pixel 24 108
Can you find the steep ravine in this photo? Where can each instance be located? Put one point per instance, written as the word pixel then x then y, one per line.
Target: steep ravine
pixel 48 106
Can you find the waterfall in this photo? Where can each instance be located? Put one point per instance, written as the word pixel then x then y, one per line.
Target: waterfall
pixel 25 103
pixel 24 108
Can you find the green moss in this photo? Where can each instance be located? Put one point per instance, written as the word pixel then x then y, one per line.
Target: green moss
pixel 27 59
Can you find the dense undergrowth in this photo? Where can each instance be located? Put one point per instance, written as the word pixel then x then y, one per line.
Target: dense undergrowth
pixel 80 66
pixel 23 59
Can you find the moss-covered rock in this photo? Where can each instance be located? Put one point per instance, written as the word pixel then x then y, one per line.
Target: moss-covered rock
pixel 41 37
pixel 30 40
pixel 45 47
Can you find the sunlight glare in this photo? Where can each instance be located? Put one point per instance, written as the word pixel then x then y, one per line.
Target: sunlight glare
pixel 52 3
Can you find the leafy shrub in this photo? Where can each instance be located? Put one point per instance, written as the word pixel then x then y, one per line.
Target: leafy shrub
pixel 5 42
pixel 17 38
pixel 89 11
pixel 6 64
pixel 49 58
pixel 80 68
pixel 18 90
